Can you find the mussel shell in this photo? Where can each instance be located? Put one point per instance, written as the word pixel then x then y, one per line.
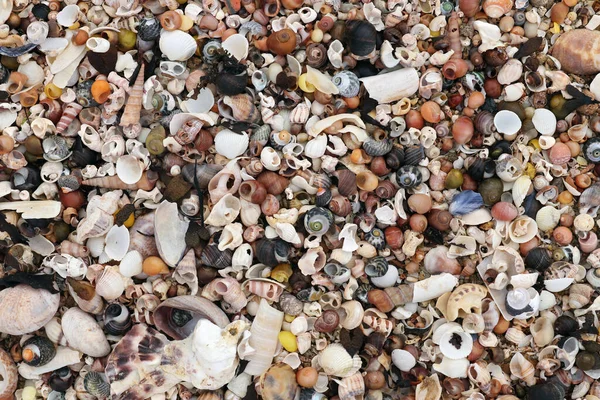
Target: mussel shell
pixel 409 176
pixel 376 267
pixel 117 320
pixel 538 258
pixel 95 384
pixel 43 350
pixel 169 319
pixel 318 220
pixel 591 149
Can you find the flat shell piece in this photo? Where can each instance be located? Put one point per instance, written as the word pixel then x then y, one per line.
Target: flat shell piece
pixel 34 209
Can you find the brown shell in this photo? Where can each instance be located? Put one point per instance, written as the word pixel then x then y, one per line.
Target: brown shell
pixel 279 383
pixel 10 377
pixel 578 51
pixel 147 182
pixel 133 107
pixel 273 182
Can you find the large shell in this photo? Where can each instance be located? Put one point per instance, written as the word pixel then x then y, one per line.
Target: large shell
pixel 279 383
pixel 24 309
pixel 170 229
pixel 190 309
pixel 578 51
pixel 264 332
pixel 84 334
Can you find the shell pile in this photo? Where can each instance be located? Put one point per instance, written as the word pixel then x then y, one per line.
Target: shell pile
pixel 299 199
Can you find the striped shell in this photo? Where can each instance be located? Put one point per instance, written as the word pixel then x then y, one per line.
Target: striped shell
pixel 377 148
pixel 347 83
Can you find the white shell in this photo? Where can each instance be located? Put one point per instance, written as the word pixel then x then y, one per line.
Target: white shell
pixel 449 350
pixel 270 159
pixel 453 368
pixel 336 361
pixel 231 237
pixel 507 122
pixel 514 91
pixel 131 264
pixel 117 242
pixel 522 229
pixel 524 280
pixel 68 15
pixel 403 360
pixel 389 279
pixel 169 232
pixel 98 45
pixel 25 309
pixel 35 74
pixel 319 80
pixel 287 232
pixel 316 147
pixel 546 142
pixel 230 144
pixel 177 45
pixel 64 357
pixel 510 72
pixel 547 300
pixel 237 46
pixel 242 256
pixel 386 88
pixel 544 121
pixel 558 285
pixel 224 212
pixel 547 218
pixel 111 284
pixel 129 169
pixel 595 87
pixel 84 334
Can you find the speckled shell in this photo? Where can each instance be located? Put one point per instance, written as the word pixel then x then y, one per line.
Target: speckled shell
pixel 409 176
pixel 347 83
pixel 149 29
pixel 578 51
pixel 279 383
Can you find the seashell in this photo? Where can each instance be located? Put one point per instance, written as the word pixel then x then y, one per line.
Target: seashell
pixel 336 361
pixel 591 150
pixel 83 333
pixel 111 283
pixel 117 320
pixel 522 369
pixel 542 331
pixel 96 385
pixel 377 148
pixel 170 229
pixel 393 86
pixel 467 297
pixel 34 308
pixel 37 32
pixel 37 351
pixel 507 122
pixel 429 388
pixel 465 202
pixel 456 345
pixel 9 375
pixel 581 63
pixel 231 144
pixel 239 107
pixel 264 338
pixel 347 83
pixel 522 229
pixel 544 121
pixel 177 45
pixel 430 83
pixel 351 387
pixel 403 360
pixel 452 368
pixel 279 382
pixel 409 176
pixel 438 260
pixel 68 15
pixel 318 220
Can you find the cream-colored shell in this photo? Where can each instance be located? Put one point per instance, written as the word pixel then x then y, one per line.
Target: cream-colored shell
pixel 24 309
pixel 84 334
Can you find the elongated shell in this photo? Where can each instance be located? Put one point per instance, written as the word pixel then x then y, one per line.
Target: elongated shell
pixel 84 334
pixel 10 377
pixel 264 338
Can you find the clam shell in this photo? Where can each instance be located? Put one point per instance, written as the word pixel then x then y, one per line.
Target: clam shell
pixel 129 169
pixel 236 45
pixel 403 360
pixel 507 122
pixel 544 121
pixel 230 144
pixel 24 309
pixel 336 361
pixel 177 45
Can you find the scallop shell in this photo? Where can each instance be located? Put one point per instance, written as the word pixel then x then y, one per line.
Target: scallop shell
pixel 177 45
pixel 511 71
pixel 336 361
pixel 230 144
pixel 547 218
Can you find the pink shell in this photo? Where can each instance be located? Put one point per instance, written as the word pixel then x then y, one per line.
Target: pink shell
pixel 559 154
pixel 504 211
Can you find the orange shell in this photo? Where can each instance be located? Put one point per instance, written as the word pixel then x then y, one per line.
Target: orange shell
pixel 100 91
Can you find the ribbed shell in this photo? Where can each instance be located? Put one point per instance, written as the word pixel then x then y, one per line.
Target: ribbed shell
pixel 95 385
pixel 377 148
pixel 414 155
pixel 133 107
pixel 149 29
pixel 213 257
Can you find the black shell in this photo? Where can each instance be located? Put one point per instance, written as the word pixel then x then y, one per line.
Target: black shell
pixel 586 360
pixel 230 84
pixel 414 155
pixel 61 379
pixel 17 51
pixel 538 258
pixel 409 176
pixel 376 267
pixel 376 148
pixel 323 197
pixel 43 350
pixel 4 73
pixel 149 29
pixel 26 178
pixel 117 320
pixel 40 11
pixel 361 37
pixel 481 169
pixel 104 62
pixel 550 390
pixel 591 149
pixel 82 155
pixel 361 293
pixel 395 158
pixel 213 257
pixel 565 325
pixel 271 252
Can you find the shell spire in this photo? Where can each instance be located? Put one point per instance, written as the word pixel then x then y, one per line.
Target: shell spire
pixel 147 182
pixel 70 112
pixel 130 120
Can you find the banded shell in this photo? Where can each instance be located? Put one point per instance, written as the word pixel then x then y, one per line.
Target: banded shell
pixel 347 83
pixel 318 220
